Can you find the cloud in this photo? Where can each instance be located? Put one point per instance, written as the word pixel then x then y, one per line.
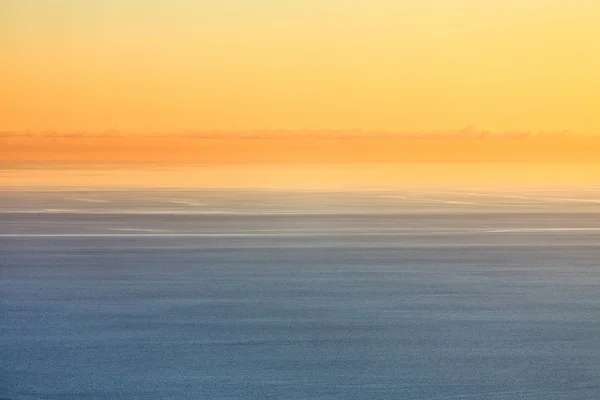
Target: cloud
pixel 285 147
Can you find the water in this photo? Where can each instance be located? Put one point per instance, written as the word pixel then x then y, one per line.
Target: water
pixel 296 296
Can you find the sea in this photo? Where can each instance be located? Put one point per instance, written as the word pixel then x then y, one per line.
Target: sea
pixel 256 294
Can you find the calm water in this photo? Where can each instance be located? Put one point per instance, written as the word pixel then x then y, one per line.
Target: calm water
pixel 210 295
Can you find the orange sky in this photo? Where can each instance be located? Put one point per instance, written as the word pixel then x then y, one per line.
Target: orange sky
pixel 311 67
pixel 401 65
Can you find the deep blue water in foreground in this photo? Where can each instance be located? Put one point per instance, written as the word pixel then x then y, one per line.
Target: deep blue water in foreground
pixel 299 306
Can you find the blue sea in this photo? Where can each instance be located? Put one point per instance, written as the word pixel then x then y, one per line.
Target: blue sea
pixel 208 294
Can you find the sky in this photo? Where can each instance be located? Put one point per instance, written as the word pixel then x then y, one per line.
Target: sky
pixel 144 66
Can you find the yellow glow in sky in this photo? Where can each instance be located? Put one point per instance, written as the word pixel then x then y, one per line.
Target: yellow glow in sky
pixel 149 65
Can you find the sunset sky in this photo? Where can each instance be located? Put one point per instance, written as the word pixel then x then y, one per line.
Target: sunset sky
pixel 128 81
pixel 401 65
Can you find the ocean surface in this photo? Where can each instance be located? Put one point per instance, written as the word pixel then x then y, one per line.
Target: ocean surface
pixel 183 294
